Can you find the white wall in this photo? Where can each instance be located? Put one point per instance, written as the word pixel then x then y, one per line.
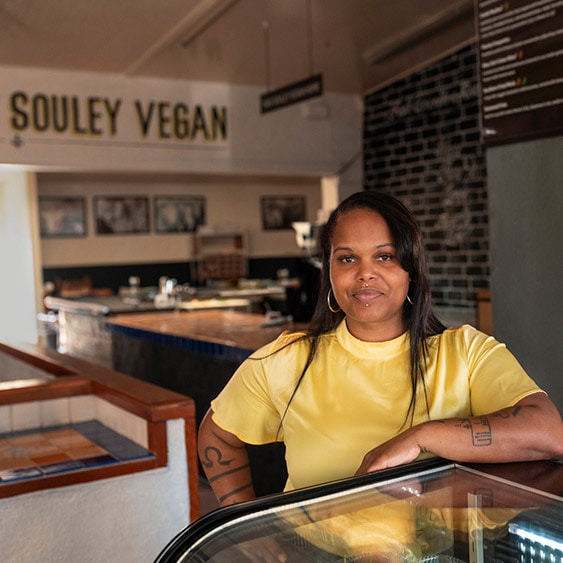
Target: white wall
pixel 229 200
pixel 122 519
pixel 19 255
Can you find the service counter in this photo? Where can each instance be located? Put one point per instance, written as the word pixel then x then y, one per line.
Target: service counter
pixel 81 320
pixel 81 323
pixel 429 511
pixel 94 464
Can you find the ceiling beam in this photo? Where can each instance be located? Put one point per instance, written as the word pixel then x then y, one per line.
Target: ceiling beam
pixel 196 20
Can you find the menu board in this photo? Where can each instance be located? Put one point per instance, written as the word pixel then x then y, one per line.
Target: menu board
pixel 521 68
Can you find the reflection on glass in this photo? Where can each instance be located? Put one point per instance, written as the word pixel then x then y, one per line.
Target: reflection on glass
pixel 449 513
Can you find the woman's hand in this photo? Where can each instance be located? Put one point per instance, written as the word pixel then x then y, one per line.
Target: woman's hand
pixel 401 449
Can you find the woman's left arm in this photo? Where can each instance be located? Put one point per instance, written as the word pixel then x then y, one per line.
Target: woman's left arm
pixel 530 430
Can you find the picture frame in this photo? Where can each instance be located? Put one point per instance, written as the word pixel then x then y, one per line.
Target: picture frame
pixel 278 212
pixel 118 215
pixel 178 213
pixel 62 216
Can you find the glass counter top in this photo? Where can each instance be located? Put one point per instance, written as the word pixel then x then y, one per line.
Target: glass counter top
pixel 428 511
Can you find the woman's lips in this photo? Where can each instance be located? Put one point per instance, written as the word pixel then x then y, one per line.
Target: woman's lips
pixel 366 295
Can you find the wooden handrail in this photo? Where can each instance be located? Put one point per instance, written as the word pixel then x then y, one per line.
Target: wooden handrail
pixel 73 377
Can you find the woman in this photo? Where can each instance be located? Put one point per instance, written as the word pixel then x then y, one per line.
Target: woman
pixel 378 380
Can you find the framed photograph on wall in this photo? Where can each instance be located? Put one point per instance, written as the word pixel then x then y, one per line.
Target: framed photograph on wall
pixel 278 212
pixel 178 214
pixel 121 215
pixel 62 217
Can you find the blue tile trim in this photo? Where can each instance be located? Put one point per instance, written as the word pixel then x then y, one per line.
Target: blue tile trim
pixel 204 347
pixel 118 446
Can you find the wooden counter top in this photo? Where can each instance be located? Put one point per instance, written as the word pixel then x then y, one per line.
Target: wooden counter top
pixel 242 331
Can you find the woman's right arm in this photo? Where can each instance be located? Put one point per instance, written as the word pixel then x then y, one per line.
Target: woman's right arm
pixel 225 461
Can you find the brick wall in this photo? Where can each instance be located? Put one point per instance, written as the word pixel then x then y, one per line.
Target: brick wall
pixel 422 144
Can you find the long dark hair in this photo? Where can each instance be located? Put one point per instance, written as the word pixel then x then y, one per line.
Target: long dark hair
pixel 418 317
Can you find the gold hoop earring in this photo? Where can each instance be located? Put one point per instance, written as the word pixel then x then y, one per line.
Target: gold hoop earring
pixel 328 302
pixel 409 299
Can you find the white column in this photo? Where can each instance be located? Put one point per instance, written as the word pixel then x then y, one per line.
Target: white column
pixel 20 257
pixel 329 197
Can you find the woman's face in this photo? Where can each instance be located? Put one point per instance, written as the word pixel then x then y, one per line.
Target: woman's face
pixel 368 282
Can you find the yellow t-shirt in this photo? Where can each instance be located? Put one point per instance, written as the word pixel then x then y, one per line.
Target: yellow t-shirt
pixel 355 395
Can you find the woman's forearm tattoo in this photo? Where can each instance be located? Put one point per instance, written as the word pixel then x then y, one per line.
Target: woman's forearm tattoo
pixel 480 428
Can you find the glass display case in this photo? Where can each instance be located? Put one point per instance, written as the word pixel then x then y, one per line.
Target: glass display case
pixel 428 511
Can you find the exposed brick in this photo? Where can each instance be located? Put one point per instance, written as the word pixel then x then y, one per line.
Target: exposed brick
pixel 422 143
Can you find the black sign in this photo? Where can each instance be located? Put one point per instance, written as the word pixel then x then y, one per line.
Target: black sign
pixel 521 67
pixel 292 94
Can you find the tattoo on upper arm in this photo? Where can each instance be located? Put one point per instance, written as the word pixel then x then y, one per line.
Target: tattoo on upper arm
pixel 230 472
pixel 507 413
pixel 480 427
pixel 214 456
pixel 224 497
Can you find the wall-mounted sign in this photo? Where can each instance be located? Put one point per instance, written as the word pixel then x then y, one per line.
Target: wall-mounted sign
pixel 292 94
pixel 521 60
pixel 81 120
pixel 99 117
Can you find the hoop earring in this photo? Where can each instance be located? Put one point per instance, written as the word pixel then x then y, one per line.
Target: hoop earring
pixel 328 302
pixel 409 299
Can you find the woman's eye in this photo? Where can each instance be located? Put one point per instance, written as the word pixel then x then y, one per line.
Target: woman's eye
pixel 346 259
pixel 385 257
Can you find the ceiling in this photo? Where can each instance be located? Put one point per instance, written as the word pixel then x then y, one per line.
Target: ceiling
pixel 358 45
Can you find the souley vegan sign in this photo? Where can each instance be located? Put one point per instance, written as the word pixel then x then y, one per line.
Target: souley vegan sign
pixel 53 116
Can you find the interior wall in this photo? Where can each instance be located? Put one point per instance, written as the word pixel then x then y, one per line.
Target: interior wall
pixel 20 256
pixel 230 200
pixel 526 210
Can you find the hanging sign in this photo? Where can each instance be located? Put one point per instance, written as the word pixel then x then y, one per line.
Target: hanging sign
pixel 292 94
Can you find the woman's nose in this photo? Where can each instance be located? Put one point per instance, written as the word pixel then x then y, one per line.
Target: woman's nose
pixel 366 272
